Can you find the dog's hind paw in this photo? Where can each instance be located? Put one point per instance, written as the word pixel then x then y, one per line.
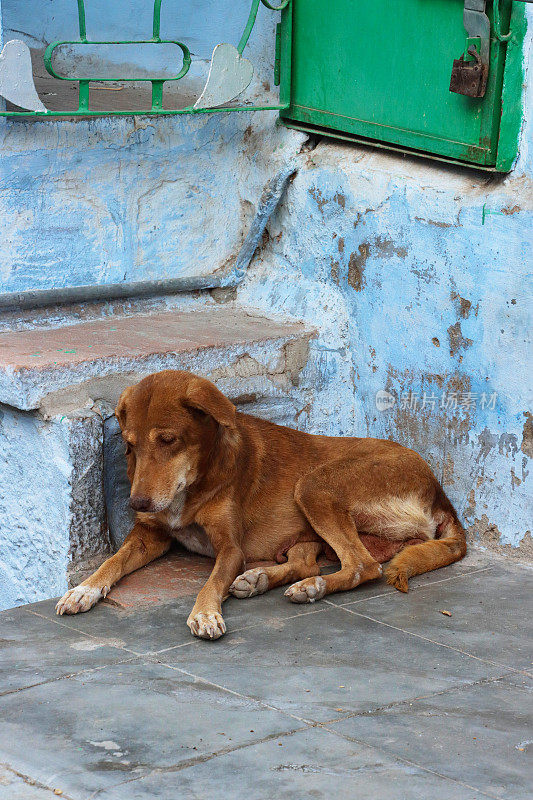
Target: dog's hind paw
pixel 397 577
pixel 80 599
pixel 307 591
pixel 250 583
pixel 207 625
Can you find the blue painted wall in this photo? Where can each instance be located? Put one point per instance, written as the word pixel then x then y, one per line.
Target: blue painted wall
pixel 419 276
pixel 117 200
pixel 420 296
pixel 200 24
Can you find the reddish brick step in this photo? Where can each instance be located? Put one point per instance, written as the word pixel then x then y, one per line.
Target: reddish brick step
pixel 37 362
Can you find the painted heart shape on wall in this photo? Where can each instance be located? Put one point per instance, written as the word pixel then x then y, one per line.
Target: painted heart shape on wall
pixel 229 75
pixel 16 76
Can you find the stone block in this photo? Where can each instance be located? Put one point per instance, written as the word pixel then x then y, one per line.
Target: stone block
pixel 52 516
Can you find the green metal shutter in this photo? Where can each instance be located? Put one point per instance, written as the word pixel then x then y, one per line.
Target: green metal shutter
pixel 380 70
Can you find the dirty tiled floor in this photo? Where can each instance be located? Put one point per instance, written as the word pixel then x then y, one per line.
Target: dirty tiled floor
pixel 369 694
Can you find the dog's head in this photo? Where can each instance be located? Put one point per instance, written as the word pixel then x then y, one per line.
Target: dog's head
pixel 170 422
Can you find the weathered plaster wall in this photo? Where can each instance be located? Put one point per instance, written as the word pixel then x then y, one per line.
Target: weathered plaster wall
pixel 418 276
pixel 524 163
pixel 34 537
pixel 117 201
pixel 120 200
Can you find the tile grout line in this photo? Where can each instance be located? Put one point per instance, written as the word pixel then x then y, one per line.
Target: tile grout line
pixel 285 734
pixel 32 781
pixel 166 649
pixel 231 631
pixel 432 641
pixel 54 621
pixel 409 700
pixel 105 642
pixel 68 675
pixel 308 722
pixel 407 761
pixel 101 640
pixel 316 723
pixel 193 762
pixel 523 687
pixel 194 640
pixel 414 589
pixel 152 657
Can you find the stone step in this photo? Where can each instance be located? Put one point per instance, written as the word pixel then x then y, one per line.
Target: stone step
pixel 44 368
pixel 60 448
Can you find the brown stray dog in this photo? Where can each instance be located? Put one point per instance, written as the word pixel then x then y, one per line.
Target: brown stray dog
pixel 262 492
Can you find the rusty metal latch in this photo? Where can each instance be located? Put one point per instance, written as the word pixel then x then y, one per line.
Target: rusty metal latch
pixel 470 77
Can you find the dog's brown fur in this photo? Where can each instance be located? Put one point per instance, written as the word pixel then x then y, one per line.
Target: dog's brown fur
pixel 259 491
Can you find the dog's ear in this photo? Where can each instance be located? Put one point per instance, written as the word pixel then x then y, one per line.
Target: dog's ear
pixel 204 396
pixel 120 410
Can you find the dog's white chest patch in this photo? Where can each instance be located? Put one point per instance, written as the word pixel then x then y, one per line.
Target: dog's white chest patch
pixel 195 539
pixel 174 512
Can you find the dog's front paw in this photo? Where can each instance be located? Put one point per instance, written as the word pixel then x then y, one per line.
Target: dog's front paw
pixel 250 583
pixel 207 625
pixel 80 599
pixel 307 591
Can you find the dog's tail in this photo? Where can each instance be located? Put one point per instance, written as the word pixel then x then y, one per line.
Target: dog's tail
pixel 448 546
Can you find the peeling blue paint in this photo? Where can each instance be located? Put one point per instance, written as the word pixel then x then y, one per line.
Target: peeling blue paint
pixel 121 200
pixel 418 298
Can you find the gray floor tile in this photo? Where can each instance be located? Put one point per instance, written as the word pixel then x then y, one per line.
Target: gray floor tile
pixel 312 764
pixel 162 626
pixel 33 650
pixel 479 734
pixel 492 614
pixel 87 733
pixel 312 666
pixel 145 729
pixel 151 629
pixel 140 630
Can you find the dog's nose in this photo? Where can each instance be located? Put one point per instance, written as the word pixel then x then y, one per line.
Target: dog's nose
pixel 140 503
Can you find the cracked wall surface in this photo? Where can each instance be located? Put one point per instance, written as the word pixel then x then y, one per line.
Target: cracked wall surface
pixel 34 537
pixel 418 278
pixel 52 512
pixel 187 200
pixel 134 199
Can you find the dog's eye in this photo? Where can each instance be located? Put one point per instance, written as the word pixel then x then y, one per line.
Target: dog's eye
pixel 167 438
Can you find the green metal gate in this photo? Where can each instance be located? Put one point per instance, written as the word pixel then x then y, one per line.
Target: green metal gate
pixel 379 71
